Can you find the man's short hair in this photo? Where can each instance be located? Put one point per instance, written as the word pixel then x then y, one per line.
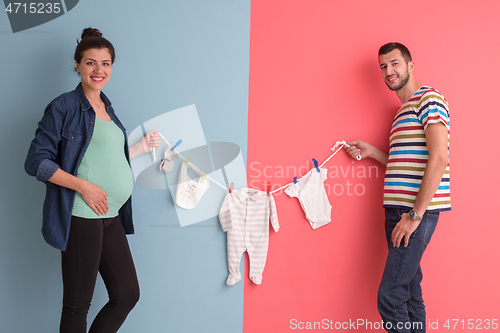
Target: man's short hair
pixel 389 47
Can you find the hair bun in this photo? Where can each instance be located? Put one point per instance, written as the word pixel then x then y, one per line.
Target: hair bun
pixel 91 32
pixel 92 39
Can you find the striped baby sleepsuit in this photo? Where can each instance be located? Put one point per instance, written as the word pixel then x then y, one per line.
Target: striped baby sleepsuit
pixel 245 216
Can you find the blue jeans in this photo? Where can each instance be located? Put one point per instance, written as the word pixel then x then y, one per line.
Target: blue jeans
pixel 400 300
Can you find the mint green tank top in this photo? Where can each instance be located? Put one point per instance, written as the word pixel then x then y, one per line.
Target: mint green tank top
pixel 104 164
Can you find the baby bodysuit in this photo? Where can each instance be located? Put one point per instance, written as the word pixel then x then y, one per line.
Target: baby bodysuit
pixel 312 197
pixel 245 216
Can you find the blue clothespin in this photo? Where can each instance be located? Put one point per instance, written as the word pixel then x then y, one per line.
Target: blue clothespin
pixel 316 164
pixel 295 181
pixel 176 145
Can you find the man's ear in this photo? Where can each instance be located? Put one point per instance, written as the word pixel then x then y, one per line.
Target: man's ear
pixel 411 66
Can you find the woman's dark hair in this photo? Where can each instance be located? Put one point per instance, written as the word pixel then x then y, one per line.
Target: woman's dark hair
pixel 389 47
pixel 92 39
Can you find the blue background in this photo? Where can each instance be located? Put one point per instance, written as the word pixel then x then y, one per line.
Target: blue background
pixel 170 54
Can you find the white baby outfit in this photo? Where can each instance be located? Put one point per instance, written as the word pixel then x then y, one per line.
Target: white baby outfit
pixel 189 192
pixel 245 216
pixel 312 196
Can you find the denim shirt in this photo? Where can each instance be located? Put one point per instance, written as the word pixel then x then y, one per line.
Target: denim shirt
pixel 61 139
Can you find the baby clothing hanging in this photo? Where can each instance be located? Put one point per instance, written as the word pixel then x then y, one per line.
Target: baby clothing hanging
pixel 336 148
pixel 175 155
pixel 189 192
pixel 311 193
pixel 168 160
pixel 245 216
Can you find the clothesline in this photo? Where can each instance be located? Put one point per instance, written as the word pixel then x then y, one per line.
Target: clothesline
pixel 335 151
pixel 154 160
pixel 238 220
pixel 336 148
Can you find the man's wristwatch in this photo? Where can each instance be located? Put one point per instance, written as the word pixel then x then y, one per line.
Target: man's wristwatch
pixel 413 216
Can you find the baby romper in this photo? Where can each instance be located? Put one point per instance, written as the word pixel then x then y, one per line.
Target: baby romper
pixel 312 196
pixel 245 216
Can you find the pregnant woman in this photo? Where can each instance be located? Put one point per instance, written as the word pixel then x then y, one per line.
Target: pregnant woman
pixel 80 151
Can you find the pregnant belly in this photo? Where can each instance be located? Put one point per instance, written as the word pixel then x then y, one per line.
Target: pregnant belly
pixel 116 180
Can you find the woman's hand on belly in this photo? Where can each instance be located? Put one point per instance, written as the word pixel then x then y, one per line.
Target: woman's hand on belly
pixel 95 197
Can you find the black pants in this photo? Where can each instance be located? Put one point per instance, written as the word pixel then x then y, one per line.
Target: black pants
pixel 97 245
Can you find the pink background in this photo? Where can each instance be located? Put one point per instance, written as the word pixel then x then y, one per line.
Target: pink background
pixel 314 79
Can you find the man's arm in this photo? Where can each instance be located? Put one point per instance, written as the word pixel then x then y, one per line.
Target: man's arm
pixel 437 144
pixel 367 150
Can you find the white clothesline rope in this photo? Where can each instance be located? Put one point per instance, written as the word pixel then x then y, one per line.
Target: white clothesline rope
pixel 154 160
pixel 336 148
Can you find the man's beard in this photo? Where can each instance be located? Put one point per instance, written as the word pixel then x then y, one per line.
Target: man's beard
pixel 404 81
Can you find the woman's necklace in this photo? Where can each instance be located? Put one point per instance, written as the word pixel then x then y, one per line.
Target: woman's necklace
pixel 99 106
pixel 94 103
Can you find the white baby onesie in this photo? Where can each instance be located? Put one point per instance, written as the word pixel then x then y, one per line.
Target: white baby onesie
pixel 189 192
pixel 312 196
pixel 245 216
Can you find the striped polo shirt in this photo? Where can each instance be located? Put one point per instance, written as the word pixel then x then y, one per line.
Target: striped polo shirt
pixel 408 152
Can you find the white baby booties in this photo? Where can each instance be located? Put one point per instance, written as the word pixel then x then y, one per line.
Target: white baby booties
pixel 168 160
